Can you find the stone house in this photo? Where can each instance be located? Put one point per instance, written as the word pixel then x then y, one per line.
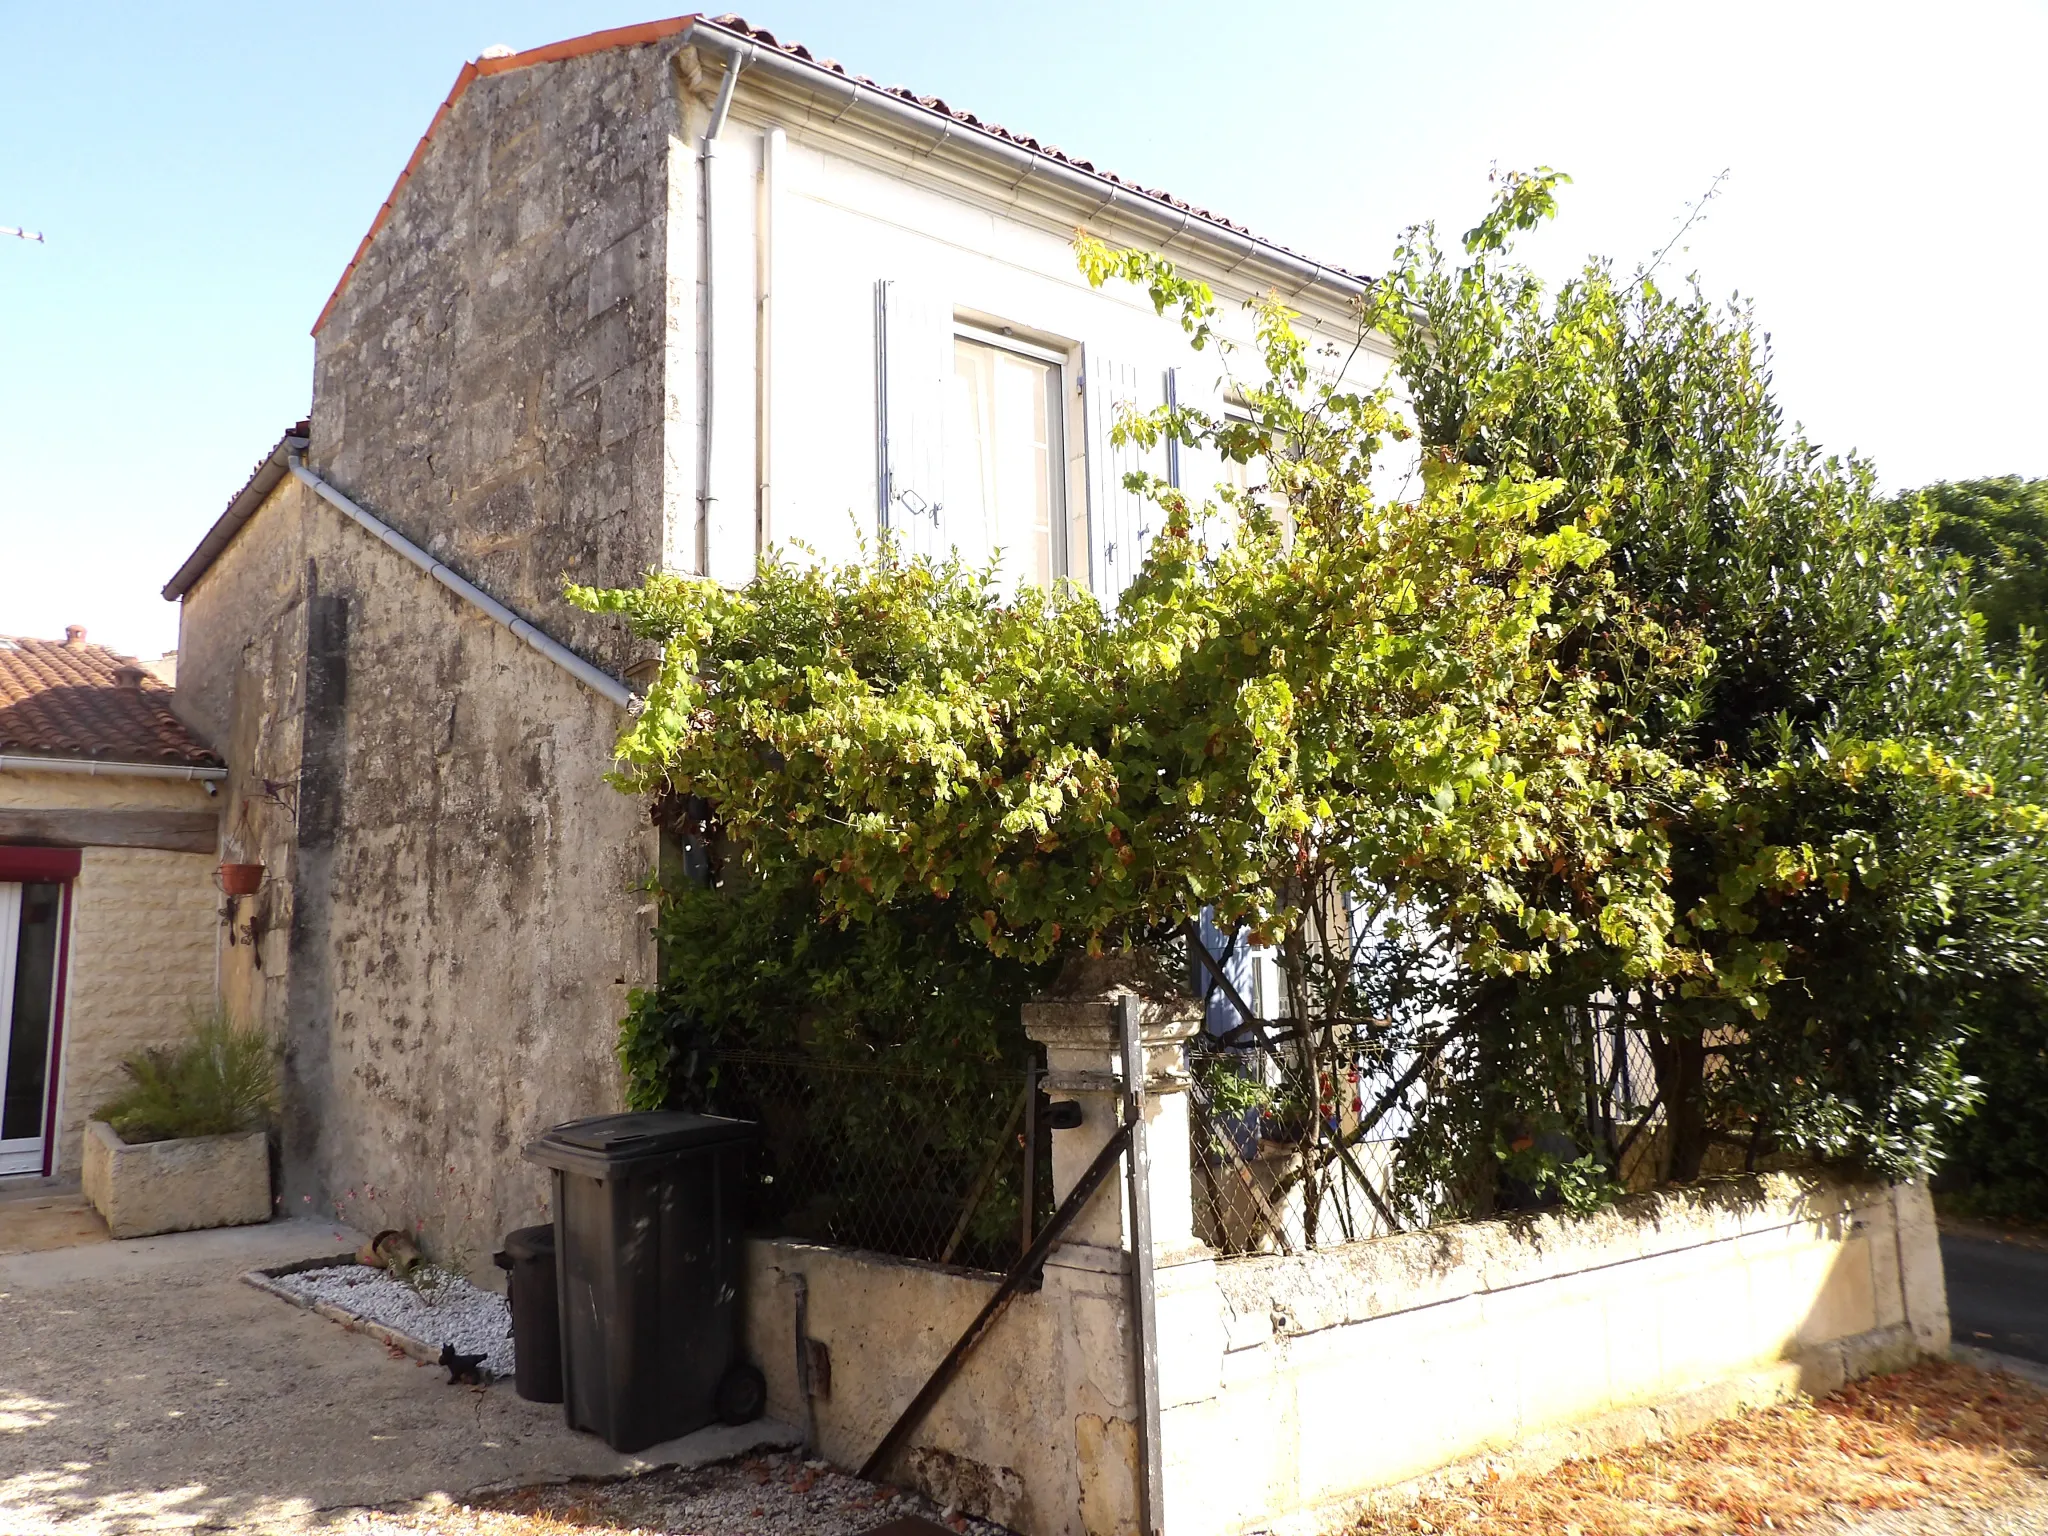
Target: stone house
pixel 108 909
pixel 670 296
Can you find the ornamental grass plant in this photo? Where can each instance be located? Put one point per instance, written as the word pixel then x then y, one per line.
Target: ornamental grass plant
pixel 220 1080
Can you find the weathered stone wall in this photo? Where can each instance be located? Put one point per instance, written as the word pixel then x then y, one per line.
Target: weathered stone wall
pixel 243 632
pixel 490 382
pixel 1291 1387
pixel 448 923
pixel 143 927
pixel 466 920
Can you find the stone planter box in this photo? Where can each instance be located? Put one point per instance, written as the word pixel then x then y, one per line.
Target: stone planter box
pixel 176 1186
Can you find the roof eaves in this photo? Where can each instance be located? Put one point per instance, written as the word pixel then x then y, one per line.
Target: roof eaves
pixel 262 481
pixel 737 30
pixel 735 34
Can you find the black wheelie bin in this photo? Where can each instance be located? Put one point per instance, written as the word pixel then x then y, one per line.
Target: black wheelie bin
pixel 528 1259
pixel 648 1264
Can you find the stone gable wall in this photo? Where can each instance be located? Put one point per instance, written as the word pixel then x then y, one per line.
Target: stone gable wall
pixel 490 382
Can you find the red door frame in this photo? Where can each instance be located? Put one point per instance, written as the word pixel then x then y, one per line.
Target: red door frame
pixel 19 863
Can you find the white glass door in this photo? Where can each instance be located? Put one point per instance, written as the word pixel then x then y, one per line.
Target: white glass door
pixel 30 916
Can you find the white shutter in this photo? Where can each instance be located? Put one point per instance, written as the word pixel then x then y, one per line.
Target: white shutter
pixel 1199 469
pixel 1120 521
pixel 914 364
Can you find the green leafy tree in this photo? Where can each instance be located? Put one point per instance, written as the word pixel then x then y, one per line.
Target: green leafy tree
pixel 1997 1159
pixel 1355 685
pixel 1633 698
pixel 1859 860
pixel 2001 527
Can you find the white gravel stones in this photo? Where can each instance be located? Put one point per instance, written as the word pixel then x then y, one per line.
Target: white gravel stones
pixel 454 1312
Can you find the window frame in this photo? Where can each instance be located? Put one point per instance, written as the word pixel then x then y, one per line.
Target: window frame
pixel 1059 360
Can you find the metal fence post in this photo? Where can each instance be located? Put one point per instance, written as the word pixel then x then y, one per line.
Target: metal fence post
pixel 1144 1278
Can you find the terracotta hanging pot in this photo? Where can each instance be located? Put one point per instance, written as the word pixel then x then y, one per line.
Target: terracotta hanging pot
pixel 241 879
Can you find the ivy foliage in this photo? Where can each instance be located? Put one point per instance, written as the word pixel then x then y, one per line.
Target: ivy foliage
pixel 1358 687
pixel 1631 696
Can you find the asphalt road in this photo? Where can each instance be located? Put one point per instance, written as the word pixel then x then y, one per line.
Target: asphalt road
pixel 1998 1293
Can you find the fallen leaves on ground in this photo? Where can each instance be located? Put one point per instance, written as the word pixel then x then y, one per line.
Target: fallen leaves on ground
pixel 1938 1433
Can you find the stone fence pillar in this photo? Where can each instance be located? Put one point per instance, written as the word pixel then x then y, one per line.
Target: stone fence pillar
pixel 1087 1276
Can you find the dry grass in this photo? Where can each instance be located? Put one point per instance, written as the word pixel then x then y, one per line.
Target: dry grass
pixel 1938 1434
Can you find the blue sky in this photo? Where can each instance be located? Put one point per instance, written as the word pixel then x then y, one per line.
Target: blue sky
pixel 203 172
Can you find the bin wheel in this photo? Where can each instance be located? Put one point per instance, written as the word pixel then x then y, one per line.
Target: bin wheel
pixel 742 1395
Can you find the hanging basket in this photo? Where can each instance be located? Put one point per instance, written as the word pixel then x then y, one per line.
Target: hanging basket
pixel 241 879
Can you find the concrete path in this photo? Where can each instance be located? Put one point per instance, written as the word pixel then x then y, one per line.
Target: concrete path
pixel 1997 1290
pixel 144 1387
pixel 38 1214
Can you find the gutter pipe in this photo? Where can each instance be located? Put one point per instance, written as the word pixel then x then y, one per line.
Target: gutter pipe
pixel 737 56
pixel 1169 220
pixel 591 677
pixel 95 767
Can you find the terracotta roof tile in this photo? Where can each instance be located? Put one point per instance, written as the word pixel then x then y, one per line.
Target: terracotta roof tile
pixel 62 700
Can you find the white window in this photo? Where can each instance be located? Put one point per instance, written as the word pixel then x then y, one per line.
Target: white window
pixel 1005 463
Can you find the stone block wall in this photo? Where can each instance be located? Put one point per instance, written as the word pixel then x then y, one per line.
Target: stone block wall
pixel 466 915
pixel 1291 1389
pixel 28 790
pixel 448 924
pixel 242 632
pixel 491 379
pixel 452 917
pixel 143 926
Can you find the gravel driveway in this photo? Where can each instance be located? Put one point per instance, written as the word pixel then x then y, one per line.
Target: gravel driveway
pixel 144 1387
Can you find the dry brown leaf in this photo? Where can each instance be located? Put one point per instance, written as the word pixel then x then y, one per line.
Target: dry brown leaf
pixel 1890 1443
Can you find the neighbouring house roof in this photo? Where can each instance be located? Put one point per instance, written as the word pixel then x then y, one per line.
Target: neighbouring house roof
pixel 655 31
pixel 69 699
pixel 263 479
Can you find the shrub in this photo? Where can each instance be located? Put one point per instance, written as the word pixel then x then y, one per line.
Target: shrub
pixel 1997 1162
pixel 879 1058
pixel 220 1080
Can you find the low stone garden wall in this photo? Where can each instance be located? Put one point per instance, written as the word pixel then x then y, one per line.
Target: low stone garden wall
pixel 1360 1368
pixel 1291 1387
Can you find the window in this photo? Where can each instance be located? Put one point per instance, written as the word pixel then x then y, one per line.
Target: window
pixel 1005 465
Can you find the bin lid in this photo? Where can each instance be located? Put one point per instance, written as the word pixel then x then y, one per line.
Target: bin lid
pixel 632 1137
pixel 530 1243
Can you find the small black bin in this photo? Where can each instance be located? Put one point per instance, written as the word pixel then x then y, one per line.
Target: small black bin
pixel 648 1262
pixel 528 1259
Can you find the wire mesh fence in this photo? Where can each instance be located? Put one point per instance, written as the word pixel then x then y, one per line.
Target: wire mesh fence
pixel 1309 1138
pixel 940 1167
pixel 1301 1138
